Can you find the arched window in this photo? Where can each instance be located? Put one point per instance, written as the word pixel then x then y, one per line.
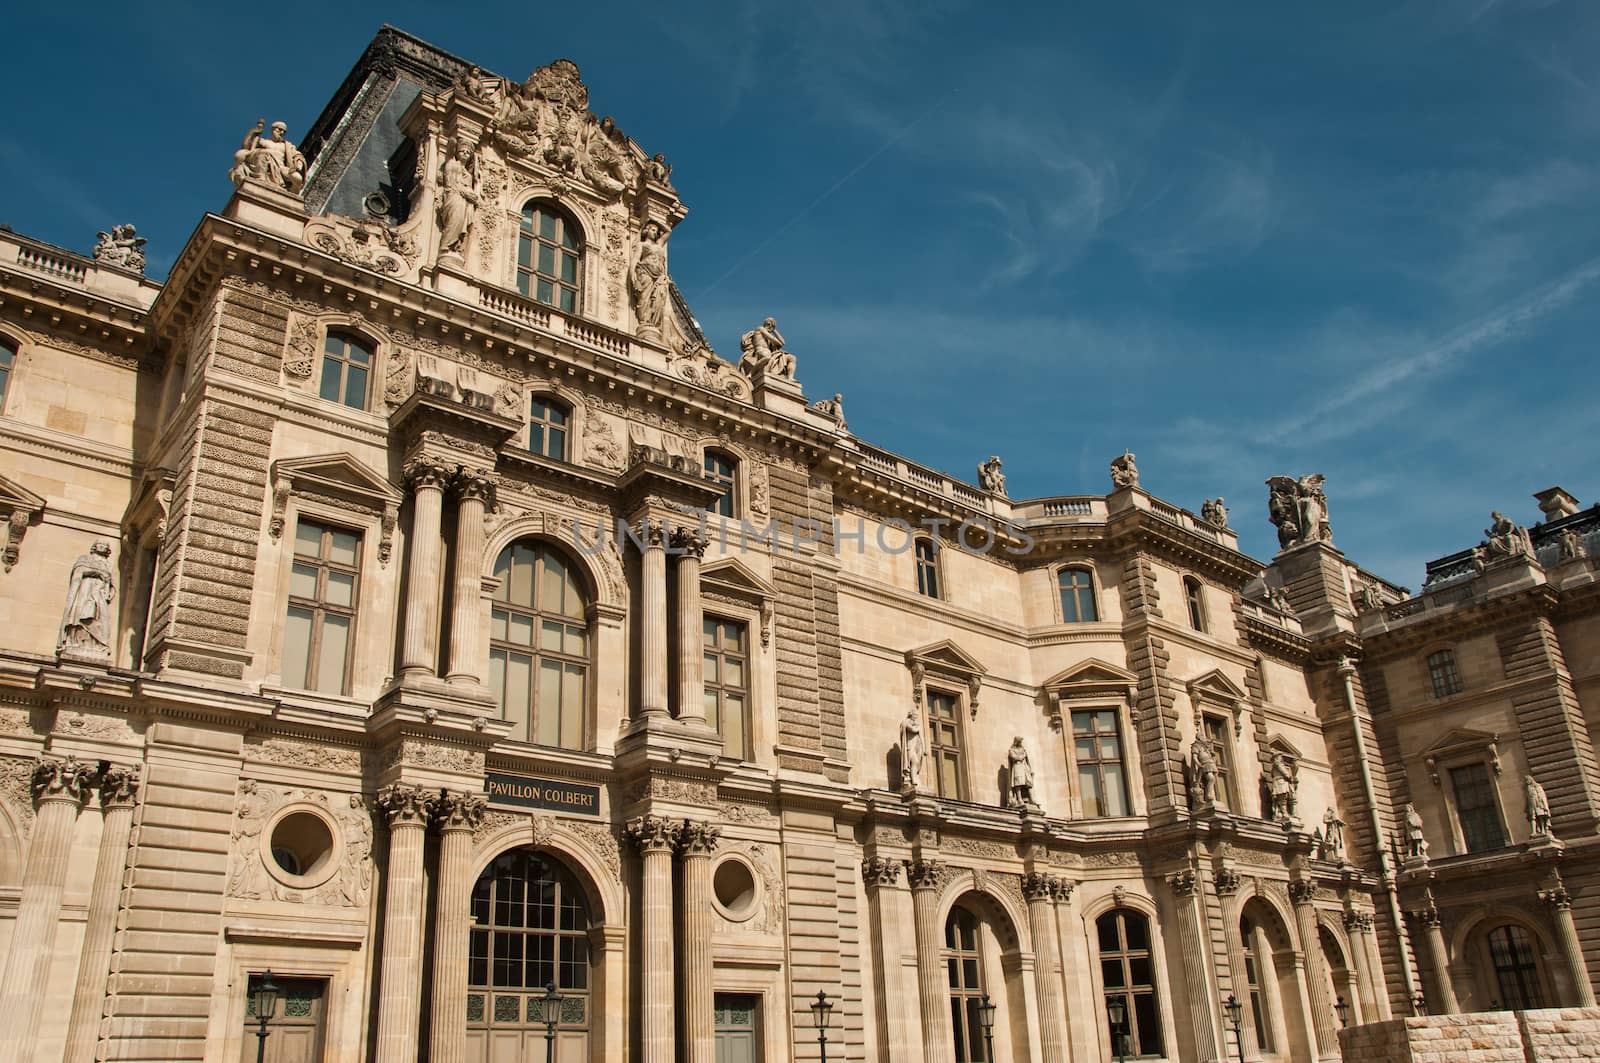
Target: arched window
pixel 530 927
pixel 8 359
pixel 1194 595
pixel 965 967
pixel 927 552
pixel 539 645
pixel 548 423
pixel 1077 596
pixel 722 470
pixel 1254 947
pixel 1516 968
pixel 1127 970
pixel 549 250
pixel 346 365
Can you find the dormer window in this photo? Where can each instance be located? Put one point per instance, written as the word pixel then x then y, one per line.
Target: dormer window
pixel 548 424
pixel 346 364
pixel 549 250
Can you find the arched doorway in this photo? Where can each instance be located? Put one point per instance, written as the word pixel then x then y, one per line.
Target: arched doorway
pixel 982 957
pixel 1275 1025
pixel 530 927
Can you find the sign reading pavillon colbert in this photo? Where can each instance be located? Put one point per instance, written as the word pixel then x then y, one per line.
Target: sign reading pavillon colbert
pixel 525 791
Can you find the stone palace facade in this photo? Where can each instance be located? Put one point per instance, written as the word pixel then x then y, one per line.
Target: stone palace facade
pixel 404 598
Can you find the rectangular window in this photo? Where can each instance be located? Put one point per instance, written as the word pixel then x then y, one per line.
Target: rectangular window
pixel 1442 673
pixel 1077 596
pixel 944 744
pixel 1222 746
pixel 319 629
pixel 1097 749
pixel 8 358
pixel 727 684
pixel 927 568
pixel 345 365
pixel 1477 809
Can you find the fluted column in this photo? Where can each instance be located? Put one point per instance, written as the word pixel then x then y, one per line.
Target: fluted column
pixel 1303 893
pixel 457 816
pixel 119 788
pixel 691 623
pixel 420 651
pixel 925 877
pixel 699 841
pixel 1438 960
pixel 1195 947
pixel 656 838
pixel 400 982
pixel 58 787
pixel 653 621
pixel 1040 891
pixel 1357 926
pixel 467 658
pixel 1560 902
pixel 1226 882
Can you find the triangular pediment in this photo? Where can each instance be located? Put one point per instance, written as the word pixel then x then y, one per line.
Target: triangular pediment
pixel 13 496
pixel 1093 674
pixel 1280 744
pixel 1460 739
pixel 336 474
pixel 735 577
pixel 946 656
pixel 1216 687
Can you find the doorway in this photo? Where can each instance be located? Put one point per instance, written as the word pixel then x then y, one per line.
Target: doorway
pixel 294 1034
pixel 738 1030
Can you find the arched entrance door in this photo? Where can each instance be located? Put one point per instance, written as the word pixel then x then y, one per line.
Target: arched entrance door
pixel 530 927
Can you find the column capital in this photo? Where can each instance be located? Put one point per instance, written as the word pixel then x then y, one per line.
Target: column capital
pixel 1302 891
pixel 407 806
pixel 60 780
pixel 1358 921
pixel 420 473
pixel 1227 882
pixel 119 785
pixel 687 540
pixel 474 483
pixel 1428 916
pixel 698 838
pixel 459 810
pixel 653 834
pixel 652 533
pixel 1184 883
pixel 1062 888
pixel 924 874
pixel 879 871
pixel 1556 896
pixel 1039 887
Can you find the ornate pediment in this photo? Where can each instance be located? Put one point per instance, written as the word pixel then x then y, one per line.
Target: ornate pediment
pixel 340 480
pixel 1087 681
pixel 732 578
pixel 19 507
pixel 948 661
pixel 1462 741
pixel 1215 687
pixel 1279 744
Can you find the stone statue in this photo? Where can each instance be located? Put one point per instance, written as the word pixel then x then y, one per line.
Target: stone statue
pixel 1416 846
pixel 1368 596
pixel 122 246
pixel 607 162
pixel 1285 784
pixel 275 161
pixel 833 408
pixel 1507 538
pixel 1571 545
pixel 1332 835
pixel 1538 806
pixel 762 353
pixel 659 169
pixel 1278 598
pixel 1124 473
pixel 1214 513
pixel 458 200
pixel 648 281
pixel 1202 773
pixel 912 750
pixel 990 476
pixel 86 621
pixel 1019 775
pixel 474 84
pixel 1299 510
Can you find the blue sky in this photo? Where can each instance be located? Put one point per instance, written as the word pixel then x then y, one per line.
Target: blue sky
pixel 1239 239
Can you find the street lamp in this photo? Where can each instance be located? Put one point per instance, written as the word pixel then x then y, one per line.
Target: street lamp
pixel 1419 1004
pixel 552 1016
pixel 1235 1012
pixel 266 1001
pixel 986 1012
pixel 1117 1012
pixel 821 1009
pixel 1343 1011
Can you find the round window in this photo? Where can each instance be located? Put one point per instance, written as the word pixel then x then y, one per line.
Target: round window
pixel 734 885
pixel 302 844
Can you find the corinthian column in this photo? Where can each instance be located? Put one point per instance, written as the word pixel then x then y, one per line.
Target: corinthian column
pixel 1303 893
pixel 467 659
pixel 656 838
pixel 119 786
pixel 653 621
pixel 1560 902
pixel 1357 926
pixel 1040 890
pixel 420 651
pixel 58 787
pixel 932 992
pixel 1438 959
pixel 457 815
pixel 1196 977
pixel 400 983
pixel 699 841
pixel 691 680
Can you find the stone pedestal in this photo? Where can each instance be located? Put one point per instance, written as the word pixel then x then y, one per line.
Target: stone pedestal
pixel 467 657
pixel 420 651
pixel 400 980
pixel 458 815
pixel 699 841
pixel 119 787
pixel 656 838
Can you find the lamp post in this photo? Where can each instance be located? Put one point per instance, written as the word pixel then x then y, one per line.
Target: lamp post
pixel 552 1016
pixel 266 1001
pixel 1342 1010
pixel 986 1012
pixel 821 1008
pixel 1117 1012
pixel 1235 1012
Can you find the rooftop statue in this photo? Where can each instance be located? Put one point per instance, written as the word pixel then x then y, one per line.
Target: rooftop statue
pixel 833 408
pixel 274 160
pixel 1299 509
pixel 122 246
pixel 990 476
pixel 1507 538
pixel 762 353
pixel 1124 473
pixel 1214 513
pixel 648 281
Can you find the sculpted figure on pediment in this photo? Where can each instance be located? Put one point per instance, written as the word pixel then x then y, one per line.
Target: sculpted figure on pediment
pixel 474 84
pixel 274 160
pixel 1299 509
pixel 607 163
pixel 659 170
pixel 122 246
pixel 762 353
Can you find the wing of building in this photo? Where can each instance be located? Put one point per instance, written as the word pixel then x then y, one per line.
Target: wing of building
pixel 403 599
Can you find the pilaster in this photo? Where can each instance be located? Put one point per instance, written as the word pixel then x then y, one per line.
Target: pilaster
pixel 456 816
pixel 698 840
pixel 119 790
pixel 656 838
pixel 400 982
pixel 925 877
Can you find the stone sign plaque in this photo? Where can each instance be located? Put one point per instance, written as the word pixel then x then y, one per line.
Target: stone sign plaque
pixel 524 791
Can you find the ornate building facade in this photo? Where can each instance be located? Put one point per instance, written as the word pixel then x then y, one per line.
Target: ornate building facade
pixel 404 599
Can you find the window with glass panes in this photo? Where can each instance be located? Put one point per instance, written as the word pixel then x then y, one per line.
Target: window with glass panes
pixel 346 364
pixel 1442 673
pixel 1196 600
pixel 547 427
pixel 1077 596
pixel 1248 935
pixel 1477 810
pixel 548 251
pixel 723 472
pixel 1128 971
pixel 944 744
pixel 539 645
pixel 1516 970
pixel 8 359
pixel 727 683
pixel 927 568
pixel 964 965
pixel 530 927
pixel 317 636
pixel 1218 730
pixel 1097 750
